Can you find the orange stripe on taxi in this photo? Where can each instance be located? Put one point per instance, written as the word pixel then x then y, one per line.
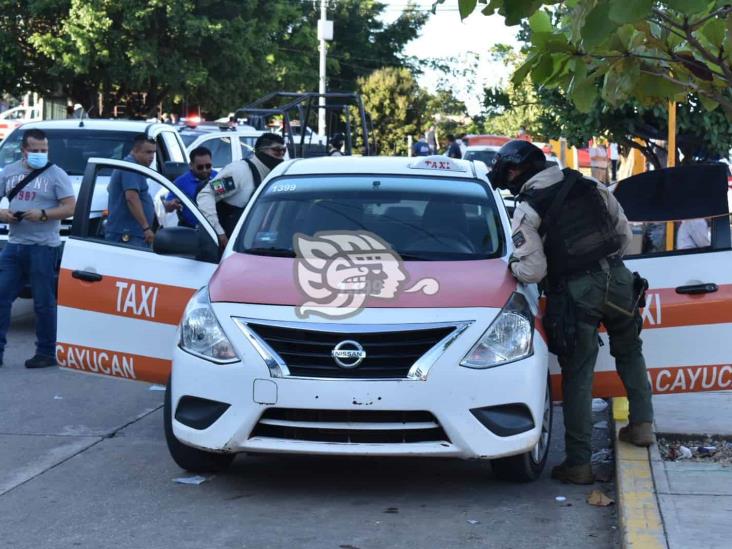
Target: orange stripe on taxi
pixel 124 297
pixel 665 380
pixel 113 363
pixel 667 309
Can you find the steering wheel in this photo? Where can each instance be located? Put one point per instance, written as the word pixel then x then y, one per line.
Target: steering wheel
pixel 442 240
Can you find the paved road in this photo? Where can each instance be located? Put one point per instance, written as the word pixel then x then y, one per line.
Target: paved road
pixel 83 463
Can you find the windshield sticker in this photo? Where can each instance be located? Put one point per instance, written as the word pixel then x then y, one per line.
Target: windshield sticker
pixel 283 188
pixel 338 271
pixel 265 237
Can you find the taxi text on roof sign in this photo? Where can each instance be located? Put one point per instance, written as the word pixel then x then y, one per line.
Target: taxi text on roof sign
pixel 441 163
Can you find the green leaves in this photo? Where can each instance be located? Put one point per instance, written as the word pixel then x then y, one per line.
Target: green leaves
pixel 540 22
pixel 597 25
pixel 630 11
pixel 688 7
pixel 466 7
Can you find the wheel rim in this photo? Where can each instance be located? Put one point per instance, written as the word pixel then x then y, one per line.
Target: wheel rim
pixel 538 452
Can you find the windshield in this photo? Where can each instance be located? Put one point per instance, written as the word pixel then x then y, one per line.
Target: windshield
pixel 70 149
pixel 483 156
pixel 422 219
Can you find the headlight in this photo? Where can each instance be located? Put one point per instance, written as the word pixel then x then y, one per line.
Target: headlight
pixel 201 334
pixel 509 337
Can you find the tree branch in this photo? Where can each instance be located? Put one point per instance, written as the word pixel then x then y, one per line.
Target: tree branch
pixel 721 12
pixel 724 101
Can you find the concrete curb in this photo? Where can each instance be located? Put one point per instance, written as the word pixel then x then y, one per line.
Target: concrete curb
pixel 641 525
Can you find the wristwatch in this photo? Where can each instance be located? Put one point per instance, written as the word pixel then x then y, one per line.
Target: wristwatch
pixel 44 215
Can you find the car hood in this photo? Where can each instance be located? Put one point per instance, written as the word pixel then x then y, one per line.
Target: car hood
pixel 243 278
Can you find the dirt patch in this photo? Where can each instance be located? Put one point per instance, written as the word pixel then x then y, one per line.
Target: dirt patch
pixel 708 449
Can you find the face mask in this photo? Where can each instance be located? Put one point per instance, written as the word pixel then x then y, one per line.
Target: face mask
pixel 37 160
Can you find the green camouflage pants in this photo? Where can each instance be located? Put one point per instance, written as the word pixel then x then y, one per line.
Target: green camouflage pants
pixel 598 298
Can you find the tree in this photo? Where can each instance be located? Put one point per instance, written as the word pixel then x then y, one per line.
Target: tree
pixel 648 50
pixel 508 108
pixel 362 42
pixel 143 52
pixel 397 105
pixel 217 54
pixel 701 135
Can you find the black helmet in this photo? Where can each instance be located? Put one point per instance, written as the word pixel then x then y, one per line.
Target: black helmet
pixel 337 140
pixel 516 153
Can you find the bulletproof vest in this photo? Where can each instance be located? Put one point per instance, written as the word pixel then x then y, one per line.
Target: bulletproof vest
pixel 582 231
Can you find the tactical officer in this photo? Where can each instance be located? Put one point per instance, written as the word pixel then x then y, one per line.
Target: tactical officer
pixel 569 233
pixel 222 201
pixel 336 144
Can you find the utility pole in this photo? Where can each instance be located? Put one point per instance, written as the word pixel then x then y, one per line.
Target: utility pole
pixel 325 33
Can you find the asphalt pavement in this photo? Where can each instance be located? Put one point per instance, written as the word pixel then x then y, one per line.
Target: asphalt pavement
pixel 83 463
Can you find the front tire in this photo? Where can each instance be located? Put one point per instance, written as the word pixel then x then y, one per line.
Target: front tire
pixel 527 467
pixel 188 458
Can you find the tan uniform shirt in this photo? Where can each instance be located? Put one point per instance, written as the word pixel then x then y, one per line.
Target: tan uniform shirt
pixel 234 184
pixel 531 266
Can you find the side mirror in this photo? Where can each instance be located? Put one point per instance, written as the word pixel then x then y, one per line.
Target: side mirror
pixel 173 170
pixel 186 242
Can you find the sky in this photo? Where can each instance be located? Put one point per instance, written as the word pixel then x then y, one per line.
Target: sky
pixel 445 35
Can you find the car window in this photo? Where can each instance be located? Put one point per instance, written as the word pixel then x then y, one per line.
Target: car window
pixel 70 149
pixel 650 238
pixel 220 148
pixel 189 136
pixel 246 150
pixel 248 140
pixel 420 218
pixel 483 156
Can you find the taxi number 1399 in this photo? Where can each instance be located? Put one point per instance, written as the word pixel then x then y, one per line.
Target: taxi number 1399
pixel 282 188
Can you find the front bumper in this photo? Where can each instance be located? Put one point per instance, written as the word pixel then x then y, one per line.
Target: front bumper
pixel 435 416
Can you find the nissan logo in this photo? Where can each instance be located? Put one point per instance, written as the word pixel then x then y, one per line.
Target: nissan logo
pixel 348 354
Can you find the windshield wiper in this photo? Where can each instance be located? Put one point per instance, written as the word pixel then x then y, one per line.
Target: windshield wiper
pixel 415 257
pixel 271 251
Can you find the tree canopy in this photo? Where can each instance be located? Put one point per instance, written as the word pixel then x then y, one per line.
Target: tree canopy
pixel 216 54
pixel 650 51
pixel 397 105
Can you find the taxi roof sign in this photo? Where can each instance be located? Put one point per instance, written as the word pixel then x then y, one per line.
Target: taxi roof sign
pixel 438 163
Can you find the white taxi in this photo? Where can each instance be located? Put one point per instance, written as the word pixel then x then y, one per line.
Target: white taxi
pixel 364 307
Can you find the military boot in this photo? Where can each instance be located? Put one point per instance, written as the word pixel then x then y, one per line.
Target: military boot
pixel 640 434
pixel 574 474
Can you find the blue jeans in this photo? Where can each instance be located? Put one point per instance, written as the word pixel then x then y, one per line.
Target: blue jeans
pixel 21 263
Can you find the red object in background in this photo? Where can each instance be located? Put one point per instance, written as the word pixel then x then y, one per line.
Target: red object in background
pixel 484 139
pixel 583 158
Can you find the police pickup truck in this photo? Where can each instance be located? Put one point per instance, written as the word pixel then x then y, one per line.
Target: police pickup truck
pixel 72 142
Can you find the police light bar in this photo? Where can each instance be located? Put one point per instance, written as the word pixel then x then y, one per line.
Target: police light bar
pixel 438 163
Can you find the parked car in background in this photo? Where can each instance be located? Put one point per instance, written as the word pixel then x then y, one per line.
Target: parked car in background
pixel 482 153
pixel 227 146
pixel 12 118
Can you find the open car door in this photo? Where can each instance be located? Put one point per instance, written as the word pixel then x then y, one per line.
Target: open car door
pixel 119 305
pixel 687 322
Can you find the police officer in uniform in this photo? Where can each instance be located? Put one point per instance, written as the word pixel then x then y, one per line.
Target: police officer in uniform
pixel 223 200
pixel 569 233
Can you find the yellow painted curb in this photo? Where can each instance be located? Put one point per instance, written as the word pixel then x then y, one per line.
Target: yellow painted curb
pixel 641 526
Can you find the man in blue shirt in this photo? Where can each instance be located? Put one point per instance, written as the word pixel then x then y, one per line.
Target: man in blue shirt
pixel 131 210
pixel 421 147
pixel 190 183
pixel 453 149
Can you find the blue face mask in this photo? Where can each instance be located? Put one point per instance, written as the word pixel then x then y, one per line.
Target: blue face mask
pixel 37 160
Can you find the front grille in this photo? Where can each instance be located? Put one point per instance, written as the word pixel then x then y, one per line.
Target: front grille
pixel 349 426
pixel 307 353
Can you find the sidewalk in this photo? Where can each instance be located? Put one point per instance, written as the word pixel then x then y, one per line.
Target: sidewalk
pixel 683 503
